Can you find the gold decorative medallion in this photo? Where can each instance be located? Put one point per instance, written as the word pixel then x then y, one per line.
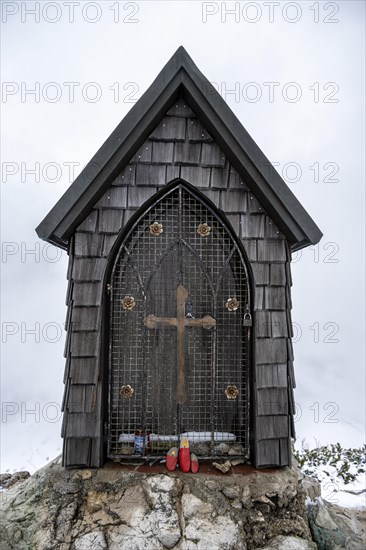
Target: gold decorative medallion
pixel 126 391
pixel 128 303
pixel 232 304
pixel 231 392
pixel 204 229
pixel 156 229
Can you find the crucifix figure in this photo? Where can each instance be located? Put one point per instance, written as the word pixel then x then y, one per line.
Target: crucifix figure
pixel 181 321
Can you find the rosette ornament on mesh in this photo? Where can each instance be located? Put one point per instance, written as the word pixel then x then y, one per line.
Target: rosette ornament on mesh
pixel 156 229
pixel 232 304
pixel 231 392
pixel 128 303
pixel 204 229
pixel 126 391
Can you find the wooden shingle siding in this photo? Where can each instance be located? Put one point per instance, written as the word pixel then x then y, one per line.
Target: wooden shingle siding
pixel 150 176
pixel 85 318
pixel 88 269
pixel 76 452
pixel 252 226
pixel 126 177
pixel 236 181
pixel 250 247
pixel 259 298
pixel 234 220
pixel 91 392
pixel 271 376
pixel 271 427
pixel 139 195
pixel 278 274
pixel 261 273
pixel 109 240
pixel 83 424
pixel 196 132
pixel 271 251
pixel 234 202
pixel 181 108
pixel 87 245
pixel 187 154
pixel 197 176
pixel 170 129
pixel 271 231
pixel 285 451
pixel 87 294
pixel 180 146
pixel 214 197
pixel 82 369
pixel 162 152
pixel 263 324
pixel 115 198
pixel 220 177
pixel 172 172
pixel 85 344
pixel 76 399
pixel 288 274
pixel 275 297
pixel 288 297
pixel 110 221
pixel 67 344
pixel 272 401
pixel 90 223
pixel 268 452
pixel 279 324
pixel 144 154
pixel 254 207
pixel 212 156
pixel 271 350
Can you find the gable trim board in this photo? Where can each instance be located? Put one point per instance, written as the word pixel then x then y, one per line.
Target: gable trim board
pixel 180 76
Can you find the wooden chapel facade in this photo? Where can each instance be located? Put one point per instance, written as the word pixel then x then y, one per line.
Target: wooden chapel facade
pixel 179 234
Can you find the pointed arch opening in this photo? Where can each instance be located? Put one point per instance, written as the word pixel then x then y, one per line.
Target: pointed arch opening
pixel 179 332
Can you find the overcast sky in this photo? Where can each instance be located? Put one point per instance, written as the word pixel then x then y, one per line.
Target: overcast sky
pixel 295 71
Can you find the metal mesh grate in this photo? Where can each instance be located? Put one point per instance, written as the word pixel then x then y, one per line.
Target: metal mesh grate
pixel 178 244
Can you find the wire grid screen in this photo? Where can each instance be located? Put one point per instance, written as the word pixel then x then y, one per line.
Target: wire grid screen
pixel 166 248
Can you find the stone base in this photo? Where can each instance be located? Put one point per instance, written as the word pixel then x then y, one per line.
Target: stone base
pixel 125 509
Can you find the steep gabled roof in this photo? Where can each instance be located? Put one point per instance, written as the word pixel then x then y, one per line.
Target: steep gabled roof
pixel 180 76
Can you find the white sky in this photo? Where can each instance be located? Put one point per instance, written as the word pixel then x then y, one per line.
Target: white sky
pixel 318 59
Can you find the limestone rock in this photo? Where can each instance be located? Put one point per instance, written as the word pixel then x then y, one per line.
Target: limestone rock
pixel 311 487
pixel 91 541
pixel 219 534
pixel 323 519
pixel 236 450
pixel 333 527
pixel 163 516
pixel 8 480
pixel 231 491
pixel 222 448
pixel 118 508
pixel 224 468
pixel 193 506
pixel 289 543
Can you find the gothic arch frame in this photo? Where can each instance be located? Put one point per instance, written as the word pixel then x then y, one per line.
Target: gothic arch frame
pixel 104 359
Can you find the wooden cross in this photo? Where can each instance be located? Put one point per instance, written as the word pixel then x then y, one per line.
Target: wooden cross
pixel 181 321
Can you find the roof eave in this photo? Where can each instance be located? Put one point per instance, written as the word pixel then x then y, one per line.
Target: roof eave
pixel 221 122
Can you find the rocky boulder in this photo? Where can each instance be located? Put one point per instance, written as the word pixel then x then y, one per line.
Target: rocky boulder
pixel 122 508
